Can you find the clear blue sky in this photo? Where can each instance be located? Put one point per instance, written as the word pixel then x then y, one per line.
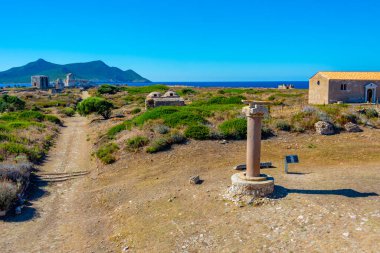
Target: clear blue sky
pixel 197 40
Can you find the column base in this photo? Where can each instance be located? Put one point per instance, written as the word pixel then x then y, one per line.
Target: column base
pixel 260 187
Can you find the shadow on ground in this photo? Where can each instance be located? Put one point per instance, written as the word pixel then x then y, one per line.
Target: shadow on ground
pixel 282 192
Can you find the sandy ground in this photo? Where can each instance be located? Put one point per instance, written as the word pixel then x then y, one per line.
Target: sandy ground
pixel 53 220
pixel 329 203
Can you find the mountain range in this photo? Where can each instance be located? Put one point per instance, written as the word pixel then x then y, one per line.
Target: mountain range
pixel 96 71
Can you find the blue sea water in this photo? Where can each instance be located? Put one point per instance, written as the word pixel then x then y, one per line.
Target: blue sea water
pixel 253 84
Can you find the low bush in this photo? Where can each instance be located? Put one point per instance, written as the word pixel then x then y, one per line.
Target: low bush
pixel 11 103
pixel 187 91
pixel 226 100
pixel 266 132
pixel 136 110
pixel 177 138
pixel 8 194
pixel 113 131
pixel 145 89
pixel 17 172
pixel 105 153
pixel 283 125
pixel 345 118
pixel 164 143
pixel 137 142
pixel 159 144
pixel 197 132
pixel 53 119
pixel 183 118
pixel 68 111
pixel 305 119
pixel 108 89
pixel 234 129
pixel 162 129
pixel 95 105
pixel 371 113
pixel 31 115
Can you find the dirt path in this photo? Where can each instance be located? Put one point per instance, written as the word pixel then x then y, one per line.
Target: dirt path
pixel 53 222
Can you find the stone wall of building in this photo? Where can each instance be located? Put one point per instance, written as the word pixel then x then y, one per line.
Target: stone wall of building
pixel 40 82
pixel 162 102
pixel 318 90
pixel 355 91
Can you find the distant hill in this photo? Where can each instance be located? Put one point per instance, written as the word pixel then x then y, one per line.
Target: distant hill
pixel 94 71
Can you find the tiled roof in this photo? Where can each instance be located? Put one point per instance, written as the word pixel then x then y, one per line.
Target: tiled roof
pixel 351 75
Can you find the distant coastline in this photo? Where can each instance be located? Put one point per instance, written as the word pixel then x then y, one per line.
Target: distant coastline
pixel 253 84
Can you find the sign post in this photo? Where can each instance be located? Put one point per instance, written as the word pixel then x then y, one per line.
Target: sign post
pixel 290 159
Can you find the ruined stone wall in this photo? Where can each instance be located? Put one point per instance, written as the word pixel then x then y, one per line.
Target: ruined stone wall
pixel 318 90
pixel 168 103
pixel 355 92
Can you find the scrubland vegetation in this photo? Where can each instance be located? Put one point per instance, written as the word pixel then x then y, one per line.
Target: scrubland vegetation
pixel 26 134
pixel 214 114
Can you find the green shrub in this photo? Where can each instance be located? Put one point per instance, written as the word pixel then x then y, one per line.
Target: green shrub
pixel 53 119
pixel 146 89
pixel 234 128
pixel 68 111
pixel 305 119
pixel 172 116
pixel 197 132
pixel 266 132
pixel 187 91
pixel 105 153
pixel 226 100
pixel 8 194
pixel 283 125
pixel 162 129
pixel 31 115
pixel 183 118
pixel 19 124
pixel 11 103
pixel 108 89
pixel 159 144
pixel 345 118
pixel 135 143
pixel 136 110
pixel 13 148
pixel 95 105
pixel 113 131
pixel 177 138
pixel 371 113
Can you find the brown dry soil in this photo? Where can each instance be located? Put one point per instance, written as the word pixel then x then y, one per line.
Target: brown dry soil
pixel 328 203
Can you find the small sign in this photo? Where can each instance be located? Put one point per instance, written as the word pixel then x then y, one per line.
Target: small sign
pixel 290 159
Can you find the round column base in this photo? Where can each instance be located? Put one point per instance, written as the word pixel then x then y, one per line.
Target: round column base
pixel 255 188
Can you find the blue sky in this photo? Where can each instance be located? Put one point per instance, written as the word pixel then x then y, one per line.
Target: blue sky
pixel 209 40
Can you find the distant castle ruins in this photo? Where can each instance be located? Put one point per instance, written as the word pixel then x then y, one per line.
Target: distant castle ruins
pixel 42 82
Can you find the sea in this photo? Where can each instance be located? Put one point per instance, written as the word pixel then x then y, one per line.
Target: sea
pixel 253 84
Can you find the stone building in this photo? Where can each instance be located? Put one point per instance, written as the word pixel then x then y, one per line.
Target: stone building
pixel 70 80
pixel 59 85
pixel 346 87
pixel 170 98
pixel 40 82
pixel 286 86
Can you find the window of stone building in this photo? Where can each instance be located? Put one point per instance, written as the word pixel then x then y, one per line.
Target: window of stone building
pixel 319 82
pixel 343 86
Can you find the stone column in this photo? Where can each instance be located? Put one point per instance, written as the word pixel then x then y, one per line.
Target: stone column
pixel 254 113
pixel 252 183
pixel 253 145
